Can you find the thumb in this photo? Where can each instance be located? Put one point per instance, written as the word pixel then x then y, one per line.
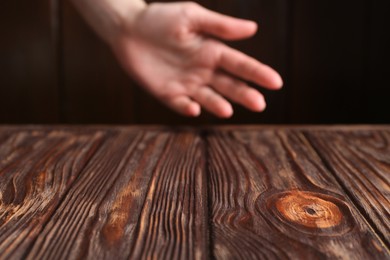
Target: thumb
pixel 222 26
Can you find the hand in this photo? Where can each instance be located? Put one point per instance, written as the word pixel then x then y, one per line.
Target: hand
pixel 172 50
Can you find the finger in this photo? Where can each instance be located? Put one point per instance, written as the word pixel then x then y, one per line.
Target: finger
pixel 219 25
pixel 245 67
pixel 183 105
pixel 238 92
pixel 213 102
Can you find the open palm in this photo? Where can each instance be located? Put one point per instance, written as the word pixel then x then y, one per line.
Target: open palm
pixel 173 51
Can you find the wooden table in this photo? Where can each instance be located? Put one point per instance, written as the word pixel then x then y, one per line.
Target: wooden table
pixel 252 192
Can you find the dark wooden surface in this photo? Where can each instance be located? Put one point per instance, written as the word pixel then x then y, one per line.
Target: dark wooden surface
pixel 28 86
pixel 92 76
pixel 333 56
pixel 188 193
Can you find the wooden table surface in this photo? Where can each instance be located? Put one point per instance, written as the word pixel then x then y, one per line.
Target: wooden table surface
pixel 249 192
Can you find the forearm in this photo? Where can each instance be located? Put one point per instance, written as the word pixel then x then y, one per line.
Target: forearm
pixel 107 17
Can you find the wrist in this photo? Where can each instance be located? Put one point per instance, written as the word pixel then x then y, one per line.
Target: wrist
pixel 127 17
pixel 110 18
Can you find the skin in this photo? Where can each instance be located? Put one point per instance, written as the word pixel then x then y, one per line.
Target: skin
pixel 173 50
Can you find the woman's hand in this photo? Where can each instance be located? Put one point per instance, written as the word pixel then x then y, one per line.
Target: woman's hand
pixel 173 51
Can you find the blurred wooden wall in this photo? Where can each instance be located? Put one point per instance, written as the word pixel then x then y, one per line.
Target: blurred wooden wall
pixel 333 56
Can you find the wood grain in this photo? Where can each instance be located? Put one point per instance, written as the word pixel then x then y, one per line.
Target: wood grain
pixel 140 195
pixel 37 169
pixel 173 223
pixel 272 198
pixel 220 192
pixel 360 161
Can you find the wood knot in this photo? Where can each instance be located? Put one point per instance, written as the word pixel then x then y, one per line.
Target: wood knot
pixel 310 212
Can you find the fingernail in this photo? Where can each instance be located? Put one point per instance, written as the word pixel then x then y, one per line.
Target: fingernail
pixel 194 110
pixel 279 81
pixel 260 105
pixel 254 24
pixel 227 112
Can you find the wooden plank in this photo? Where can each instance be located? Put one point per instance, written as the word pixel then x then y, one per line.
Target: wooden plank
pixel 37 169
pixel 116 208
pixel 173 223
pixel 28 91
pixel 272 198
pixel 96 89
pixel 360 161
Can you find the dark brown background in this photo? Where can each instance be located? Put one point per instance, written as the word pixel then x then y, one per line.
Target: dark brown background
pixel 333 56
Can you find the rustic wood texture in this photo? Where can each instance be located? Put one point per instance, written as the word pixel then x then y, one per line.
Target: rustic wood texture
pixel 169 193
pixel 272 198
pixel 360 161
pixel 136 198
pixel 37 168
pixel 173 223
